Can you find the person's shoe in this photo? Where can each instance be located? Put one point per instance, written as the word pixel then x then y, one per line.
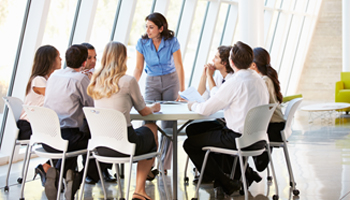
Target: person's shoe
pixel 51 183
pixel 218 192
pixel 73 180
pixel 40 170
pixel 107 177
pixel 231 186
pixel 152 174
pixel 254 176
pixel 89 180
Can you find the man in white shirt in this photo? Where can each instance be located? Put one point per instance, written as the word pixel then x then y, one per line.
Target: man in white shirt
pixel 240 93
pixel 222 69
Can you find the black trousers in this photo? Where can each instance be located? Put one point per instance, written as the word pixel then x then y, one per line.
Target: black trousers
pixel 274 132
pixel 212 133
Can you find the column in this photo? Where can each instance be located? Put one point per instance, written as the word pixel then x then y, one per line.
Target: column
pixel 251 22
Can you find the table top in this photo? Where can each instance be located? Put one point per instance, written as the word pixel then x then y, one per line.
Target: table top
pixel 174 111
pixel 325 107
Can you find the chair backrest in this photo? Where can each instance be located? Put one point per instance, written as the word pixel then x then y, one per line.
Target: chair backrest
pixel 255 125
pixel 15 106
pixel 108 128
pixel 289 115
pixel 345 77
pixel 45 127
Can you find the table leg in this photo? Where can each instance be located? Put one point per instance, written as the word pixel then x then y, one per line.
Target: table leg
pixel 175 160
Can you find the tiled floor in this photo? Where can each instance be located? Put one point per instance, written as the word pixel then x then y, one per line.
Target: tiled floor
pixel 320 154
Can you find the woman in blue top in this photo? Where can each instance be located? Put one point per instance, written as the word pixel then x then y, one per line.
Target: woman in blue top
pixel 160 50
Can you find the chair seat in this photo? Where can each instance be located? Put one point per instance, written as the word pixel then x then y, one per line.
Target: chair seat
pixel 125 159
pixel 233 152
pixel 41 152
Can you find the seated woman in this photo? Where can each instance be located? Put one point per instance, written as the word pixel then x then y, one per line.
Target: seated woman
pixel 111 88
pixel 261 64
pixel 46 60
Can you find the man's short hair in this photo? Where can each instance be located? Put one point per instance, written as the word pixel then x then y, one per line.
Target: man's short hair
pixel 76 55
pixel 224 52
pixel 242 55
pixel 88 45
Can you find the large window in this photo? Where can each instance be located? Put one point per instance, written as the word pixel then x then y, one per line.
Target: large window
pixel 102 26
pixel 59 24
pixel 11 17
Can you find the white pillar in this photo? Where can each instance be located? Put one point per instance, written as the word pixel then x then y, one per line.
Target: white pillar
pixel 85 21
pixel 346 33
pixel 126 15
pixel 184 31
pixel 162 7
pixel 251 22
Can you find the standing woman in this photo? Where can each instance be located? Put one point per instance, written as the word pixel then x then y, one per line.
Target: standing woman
pixel 46 60
pixel 261 64
pixel 111 88
pixel 160 50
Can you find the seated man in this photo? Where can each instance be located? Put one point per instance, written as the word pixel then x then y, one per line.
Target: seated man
pixel 222 65
pixel 66 95
pixel 91 59
pixel 248 92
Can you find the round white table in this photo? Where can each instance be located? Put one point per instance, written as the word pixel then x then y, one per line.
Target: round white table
pixel 325 110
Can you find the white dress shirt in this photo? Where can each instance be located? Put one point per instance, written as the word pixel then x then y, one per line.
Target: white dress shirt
pixel 242 92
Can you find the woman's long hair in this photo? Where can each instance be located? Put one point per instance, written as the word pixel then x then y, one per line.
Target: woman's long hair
pixel 262 61
pixel 159 20
pixel 104 82
pixel 43 64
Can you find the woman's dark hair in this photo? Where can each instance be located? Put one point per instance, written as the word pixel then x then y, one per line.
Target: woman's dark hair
pixel 224 52
pixel 159 20
pixel 262 61
pixel 76 55
pixel 242 55
pixel 43 64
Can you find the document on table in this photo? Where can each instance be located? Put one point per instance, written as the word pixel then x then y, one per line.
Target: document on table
pixel 191 94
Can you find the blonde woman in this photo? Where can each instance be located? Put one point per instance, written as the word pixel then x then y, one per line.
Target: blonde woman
pixel 111 88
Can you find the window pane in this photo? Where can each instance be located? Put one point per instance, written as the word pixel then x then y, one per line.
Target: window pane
pixel 11 12
pixel 59 24
pixel 173 13
pixel 193 41
pixel 102 27
pixel 143 8
pixel 218 32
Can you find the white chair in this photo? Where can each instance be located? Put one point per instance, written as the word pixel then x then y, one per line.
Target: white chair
pixel 109 129
pixel 285 133
pixel 255 127
pixel 15 106
pixel 46 130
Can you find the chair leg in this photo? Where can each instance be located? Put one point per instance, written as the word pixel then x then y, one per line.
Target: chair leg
pixel 118 179
pixel 19 180
pixel 163 178
pixel 81 194
pixel 185 171
pixel 275 197
pixel 233 168
pixel 291 176
pixel 61 177
pixel 129 178
pixel 10 165
pixel 25 173
pixel 242 166
pixel 101 179
pixel 201 175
